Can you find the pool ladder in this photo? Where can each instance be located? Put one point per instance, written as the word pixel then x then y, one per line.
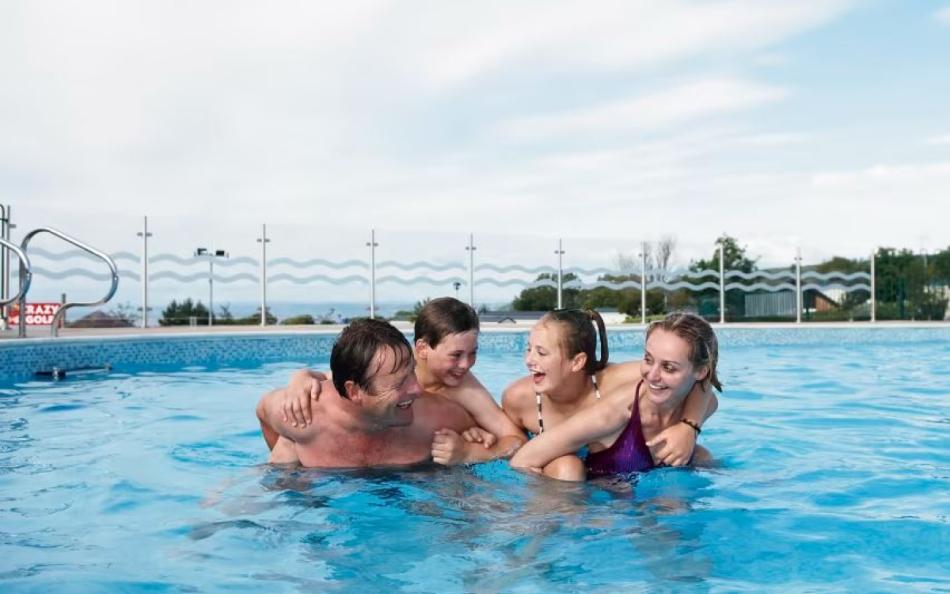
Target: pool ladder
pixel 26 277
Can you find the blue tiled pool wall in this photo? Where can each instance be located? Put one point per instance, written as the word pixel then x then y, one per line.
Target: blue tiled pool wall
pixel 25 358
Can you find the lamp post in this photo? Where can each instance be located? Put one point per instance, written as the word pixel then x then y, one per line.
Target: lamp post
pixel 210 255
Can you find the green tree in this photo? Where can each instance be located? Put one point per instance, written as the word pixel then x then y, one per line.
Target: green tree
pixel 734 257
pixel 545 298
pixel 180 314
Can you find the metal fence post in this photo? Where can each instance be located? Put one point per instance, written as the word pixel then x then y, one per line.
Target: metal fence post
pixel 643 283
pixel 144 234
pixel 372 272
pixel 560 269
pixel 722 284
pixel 471 269
pixel 873 288
pixel 263 240
pixel 798 285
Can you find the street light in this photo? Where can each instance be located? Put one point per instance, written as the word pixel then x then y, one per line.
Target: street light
pixel 210 255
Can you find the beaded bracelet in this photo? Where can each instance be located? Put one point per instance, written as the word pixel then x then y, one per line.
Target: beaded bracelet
pixel 692 424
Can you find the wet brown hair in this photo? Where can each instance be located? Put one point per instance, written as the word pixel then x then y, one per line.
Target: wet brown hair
pixel 702 341
pixel 443 316
pixel 580 336
pixel 355 352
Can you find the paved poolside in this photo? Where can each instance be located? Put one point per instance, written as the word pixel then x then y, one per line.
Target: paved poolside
pixel 159 331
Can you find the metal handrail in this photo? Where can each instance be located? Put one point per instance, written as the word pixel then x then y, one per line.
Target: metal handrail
pixel 25 279
pixel 62 310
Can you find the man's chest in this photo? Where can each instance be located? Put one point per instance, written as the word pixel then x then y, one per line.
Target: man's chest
pixel 342 450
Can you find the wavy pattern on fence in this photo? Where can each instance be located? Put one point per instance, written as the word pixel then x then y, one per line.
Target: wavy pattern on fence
pixel 317 262
pixel 80 272
pixel 423 265
pixel 417 280
pixel 60 256
pixel 822 288
pixel 197 276
pixel 688 280
pixel 314 278
pixel 590 271
pixel 515 268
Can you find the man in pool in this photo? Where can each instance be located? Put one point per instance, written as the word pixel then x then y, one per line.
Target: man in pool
pixel 372 412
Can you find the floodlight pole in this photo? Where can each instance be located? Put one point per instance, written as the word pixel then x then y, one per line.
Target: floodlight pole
pixel 263 240
pixel 211 255
pixel 560 272
pixel 144 234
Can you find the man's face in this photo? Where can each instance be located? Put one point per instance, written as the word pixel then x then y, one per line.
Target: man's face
pixel 392 390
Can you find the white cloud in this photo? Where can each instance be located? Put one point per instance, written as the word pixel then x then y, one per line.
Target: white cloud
pixel 908 176
pixel 616 34
pixel 673 106
pixel 943 15
pixel 938 140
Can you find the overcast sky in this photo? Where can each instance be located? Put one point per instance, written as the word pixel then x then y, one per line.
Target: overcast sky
pixel 816 123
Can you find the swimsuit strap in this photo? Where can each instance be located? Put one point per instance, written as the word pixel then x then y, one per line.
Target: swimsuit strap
pixel 537 397
pixel 540 418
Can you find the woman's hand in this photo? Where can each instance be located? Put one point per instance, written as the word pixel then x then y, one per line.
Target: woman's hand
pixel 674 445
pixel 303 389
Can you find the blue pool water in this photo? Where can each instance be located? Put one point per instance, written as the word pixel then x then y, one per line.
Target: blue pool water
pixel 834 476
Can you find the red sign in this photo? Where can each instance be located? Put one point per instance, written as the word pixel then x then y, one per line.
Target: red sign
pixel 37 314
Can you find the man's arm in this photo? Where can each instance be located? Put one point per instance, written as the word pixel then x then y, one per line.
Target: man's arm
pixel 450 448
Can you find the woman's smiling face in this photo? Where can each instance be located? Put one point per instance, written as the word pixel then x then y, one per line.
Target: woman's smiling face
pixel 668 375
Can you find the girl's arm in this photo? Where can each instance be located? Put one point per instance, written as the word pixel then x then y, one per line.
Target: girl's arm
pixel 675 445
pixel 499 436
pixel 602 420
pixel 478 402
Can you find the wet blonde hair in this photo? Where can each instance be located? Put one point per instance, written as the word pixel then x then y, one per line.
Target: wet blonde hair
pixel 699 335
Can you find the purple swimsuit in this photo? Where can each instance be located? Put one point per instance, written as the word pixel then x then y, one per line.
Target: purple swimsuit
pixel 628 454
